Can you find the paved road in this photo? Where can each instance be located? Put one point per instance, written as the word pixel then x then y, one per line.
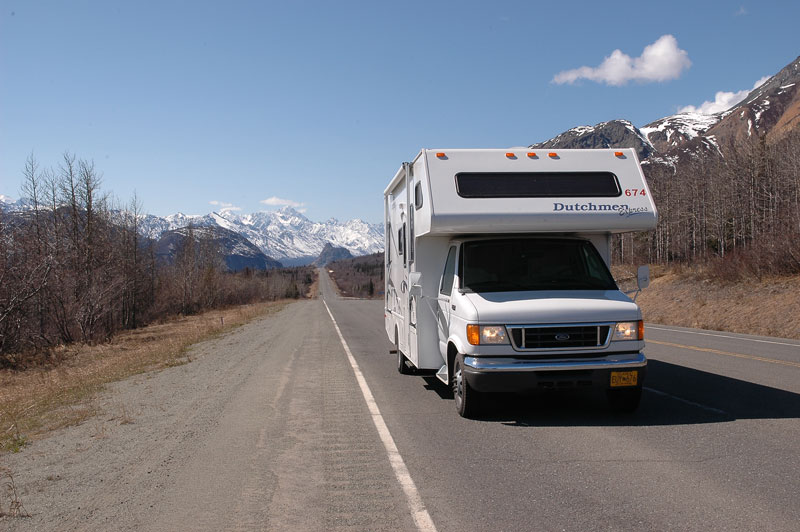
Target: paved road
pixel 714 446
pixel 268 428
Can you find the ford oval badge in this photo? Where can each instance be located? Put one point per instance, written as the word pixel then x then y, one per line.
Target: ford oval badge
pixel 562 337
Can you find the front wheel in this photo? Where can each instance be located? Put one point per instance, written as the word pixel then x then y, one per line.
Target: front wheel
pixel 467 399
pixel 625 399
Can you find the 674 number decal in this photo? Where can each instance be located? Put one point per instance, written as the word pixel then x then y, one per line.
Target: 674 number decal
pixel 635 192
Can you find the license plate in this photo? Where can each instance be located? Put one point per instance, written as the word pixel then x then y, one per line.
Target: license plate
pixel 624 378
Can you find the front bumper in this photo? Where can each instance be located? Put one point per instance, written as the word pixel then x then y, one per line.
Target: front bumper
pixel 508 374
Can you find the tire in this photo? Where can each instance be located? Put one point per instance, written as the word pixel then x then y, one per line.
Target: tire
pixel 625 400
pixel 402 362
pixel 468 401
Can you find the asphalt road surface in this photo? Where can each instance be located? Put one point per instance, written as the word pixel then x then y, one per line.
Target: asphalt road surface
pixel 715 444
pixel 278 426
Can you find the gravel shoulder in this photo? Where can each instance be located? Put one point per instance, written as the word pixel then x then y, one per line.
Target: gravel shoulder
pixel 264 430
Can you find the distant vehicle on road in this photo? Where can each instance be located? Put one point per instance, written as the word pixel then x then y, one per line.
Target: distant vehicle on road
pixel 497 271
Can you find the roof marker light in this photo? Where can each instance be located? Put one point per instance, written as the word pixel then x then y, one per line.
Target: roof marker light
pixel 552 154
pixel 511 155
pixel 619 154
pixel 441 155
pixel 532 154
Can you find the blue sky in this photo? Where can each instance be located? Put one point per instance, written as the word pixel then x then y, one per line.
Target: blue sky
pixel 201 106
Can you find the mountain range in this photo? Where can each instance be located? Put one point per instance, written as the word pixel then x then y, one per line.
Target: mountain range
pixel 259 240
pixel 770 110
pixel 285 235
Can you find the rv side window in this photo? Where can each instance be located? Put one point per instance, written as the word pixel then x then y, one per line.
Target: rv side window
pixel 400 250
pixel 411 236
pixel 388 249
pixel 449 272
pixel 401 243
pixel 418 196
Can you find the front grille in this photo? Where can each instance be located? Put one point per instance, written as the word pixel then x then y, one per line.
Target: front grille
pixel 560 337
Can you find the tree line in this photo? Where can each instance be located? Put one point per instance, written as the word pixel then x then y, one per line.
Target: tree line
pixel 74 267
pixel 739 214
pixel 359 276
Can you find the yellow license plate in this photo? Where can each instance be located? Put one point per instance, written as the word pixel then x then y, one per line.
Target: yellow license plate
pixel 624 378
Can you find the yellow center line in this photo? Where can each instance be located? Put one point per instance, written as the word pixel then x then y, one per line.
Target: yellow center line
pixel 727 353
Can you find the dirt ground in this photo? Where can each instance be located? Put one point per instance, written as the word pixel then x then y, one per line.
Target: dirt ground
pixel 769 307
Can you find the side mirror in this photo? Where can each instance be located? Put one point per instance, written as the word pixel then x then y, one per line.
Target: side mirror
pixel 415 280
pixel 643 277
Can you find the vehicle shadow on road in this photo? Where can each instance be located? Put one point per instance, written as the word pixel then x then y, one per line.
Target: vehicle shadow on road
pixel 673 395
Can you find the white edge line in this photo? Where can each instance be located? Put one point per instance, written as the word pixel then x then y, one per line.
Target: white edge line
pixel 686 401
pixel 421 516
pixel 721 336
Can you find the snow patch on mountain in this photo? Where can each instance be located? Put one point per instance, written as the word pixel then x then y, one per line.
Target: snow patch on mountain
pixel 685 125
pixel 285 235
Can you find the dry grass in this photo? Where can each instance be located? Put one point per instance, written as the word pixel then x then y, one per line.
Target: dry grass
pixel 690 297
pixel 8 490
pixel 40 400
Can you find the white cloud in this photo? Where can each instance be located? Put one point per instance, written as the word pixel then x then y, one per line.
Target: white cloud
pixel 224 207
pixel 660 61
pixel 722 101
pixel 740 12
pixel 275 201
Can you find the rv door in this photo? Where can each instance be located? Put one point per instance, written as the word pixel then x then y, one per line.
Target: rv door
pixel 443 309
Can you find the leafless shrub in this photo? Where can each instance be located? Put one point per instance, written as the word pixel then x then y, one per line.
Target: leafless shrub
pixel 15 506
pixel 739 214
pixel 73 267
pixel 359 276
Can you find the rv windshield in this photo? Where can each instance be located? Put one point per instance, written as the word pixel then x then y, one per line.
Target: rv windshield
pixel 533 264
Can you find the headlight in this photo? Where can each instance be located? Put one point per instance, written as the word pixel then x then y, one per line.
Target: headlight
pixel 486 334
pixel 629 330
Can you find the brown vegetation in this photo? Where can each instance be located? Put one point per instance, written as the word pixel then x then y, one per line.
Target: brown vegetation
pixel 695 297
pixel 74 269
pixel 359 277
pixel 46 398
pixel 738 214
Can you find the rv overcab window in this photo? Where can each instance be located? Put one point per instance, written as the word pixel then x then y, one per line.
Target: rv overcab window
pixel 537 185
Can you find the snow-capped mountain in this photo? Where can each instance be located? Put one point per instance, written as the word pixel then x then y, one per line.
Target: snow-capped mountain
pixel 236 251
pixel 611 134
pixel 672 131
pixel 770 110
pixel 285 235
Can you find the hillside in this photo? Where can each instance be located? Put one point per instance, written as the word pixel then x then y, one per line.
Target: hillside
pixel 236 251
pixel 771 110
pixel 359 276
pixel 331 253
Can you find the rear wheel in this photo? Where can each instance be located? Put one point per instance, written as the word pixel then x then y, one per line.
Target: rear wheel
pixel 624 399
pixel 467 399
pixel 402 362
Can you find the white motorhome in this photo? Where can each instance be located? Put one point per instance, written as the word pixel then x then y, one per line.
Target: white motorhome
pixel 498 270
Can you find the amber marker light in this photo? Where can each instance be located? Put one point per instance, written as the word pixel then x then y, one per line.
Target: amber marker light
pixel 552 154
pixel 532 154
pixel 511 155
pixel 641 330
pixel 473 334
pixel 618 154
pixel 441 155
